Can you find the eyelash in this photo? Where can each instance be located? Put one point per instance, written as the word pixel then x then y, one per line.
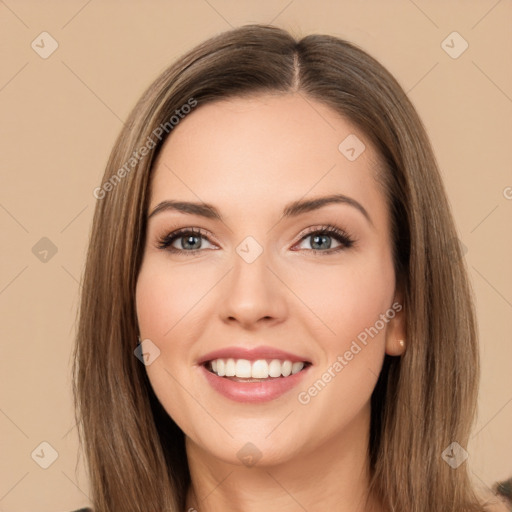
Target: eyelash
pixel 165 242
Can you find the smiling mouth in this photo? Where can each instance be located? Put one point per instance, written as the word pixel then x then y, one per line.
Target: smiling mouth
pixel 260 370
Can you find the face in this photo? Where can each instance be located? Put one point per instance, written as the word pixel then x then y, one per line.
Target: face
pixel 258 284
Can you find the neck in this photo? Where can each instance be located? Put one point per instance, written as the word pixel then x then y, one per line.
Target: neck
pixel 334 475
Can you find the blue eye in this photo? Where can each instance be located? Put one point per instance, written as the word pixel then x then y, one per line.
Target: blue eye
pixel 321 239
pixel 190 240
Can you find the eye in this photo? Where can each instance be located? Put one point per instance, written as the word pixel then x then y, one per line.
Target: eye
pixel 321 240
pixel 186 240
pixel 191 240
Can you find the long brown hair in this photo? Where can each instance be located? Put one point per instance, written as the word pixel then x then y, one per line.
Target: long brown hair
pixel 423 401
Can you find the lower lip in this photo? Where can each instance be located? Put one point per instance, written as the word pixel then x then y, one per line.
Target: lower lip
pixel 253 392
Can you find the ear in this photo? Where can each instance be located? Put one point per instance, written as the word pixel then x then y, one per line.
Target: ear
pixel 396 340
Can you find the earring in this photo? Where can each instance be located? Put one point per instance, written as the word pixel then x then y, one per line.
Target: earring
pixel 401 343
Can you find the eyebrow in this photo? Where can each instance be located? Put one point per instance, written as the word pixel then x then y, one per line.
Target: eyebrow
pixel 292 209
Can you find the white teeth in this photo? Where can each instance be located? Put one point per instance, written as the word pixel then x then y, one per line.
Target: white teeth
pixel 287 368
pixel 259 369
pixel 229 368
pixel 297 367
pixel 274 368
pixel 243 369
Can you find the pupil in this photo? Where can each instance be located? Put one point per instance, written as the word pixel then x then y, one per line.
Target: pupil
pixel 190 242
pixel 318 239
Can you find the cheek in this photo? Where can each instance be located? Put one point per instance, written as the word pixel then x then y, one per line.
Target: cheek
pixel 347 298
pixel 167 297
pixel 352 304
pixel 154 302
pixel 167 302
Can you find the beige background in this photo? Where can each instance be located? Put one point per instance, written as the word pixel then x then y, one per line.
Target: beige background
pixel 60 116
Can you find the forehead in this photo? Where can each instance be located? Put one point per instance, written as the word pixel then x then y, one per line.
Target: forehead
pixel 265 150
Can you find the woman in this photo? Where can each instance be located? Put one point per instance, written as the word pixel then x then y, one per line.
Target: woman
pixel 275 312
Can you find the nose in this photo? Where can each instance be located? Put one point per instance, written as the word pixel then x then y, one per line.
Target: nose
pixel 253 294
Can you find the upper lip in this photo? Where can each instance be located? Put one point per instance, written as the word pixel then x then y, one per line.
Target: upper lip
pixel 252 354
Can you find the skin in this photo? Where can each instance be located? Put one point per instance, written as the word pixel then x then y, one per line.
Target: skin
pixel 249 157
